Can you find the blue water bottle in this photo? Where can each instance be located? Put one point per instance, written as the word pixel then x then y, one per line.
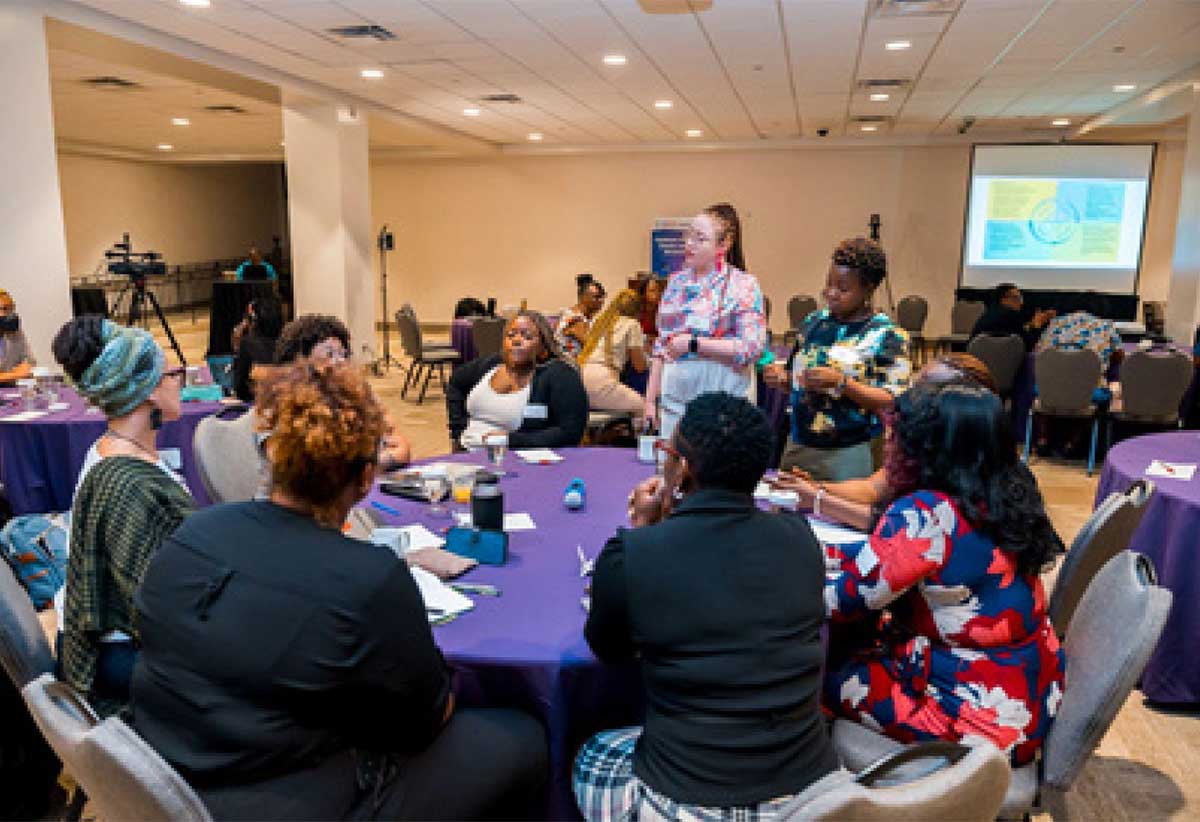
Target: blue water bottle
pixel 575 495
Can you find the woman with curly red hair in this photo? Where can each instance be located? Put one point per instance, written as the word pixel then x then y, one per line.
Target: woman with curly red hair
pixel 288 671
pixel 847 365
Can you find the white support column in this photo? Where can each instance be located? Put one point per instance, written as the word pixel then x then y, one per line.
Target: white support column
pixel 329 213
pixel 1183 301
pixel 33 245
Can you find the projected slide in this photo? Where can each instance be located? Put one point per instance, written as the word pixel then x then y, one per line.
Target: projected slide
pixel 1040 222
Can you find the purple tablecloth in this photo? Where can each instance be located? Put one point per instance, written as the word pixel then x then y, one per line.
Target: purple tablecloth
pixel 462 339
pixel 1167 536
pixel 40 459
pixel 526 648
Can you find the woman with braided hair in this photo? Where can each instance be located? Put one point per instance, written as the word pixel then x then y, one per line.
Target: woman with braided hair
pixel 616 339
pixel 127 500
pixel 711 327
pixel 847 365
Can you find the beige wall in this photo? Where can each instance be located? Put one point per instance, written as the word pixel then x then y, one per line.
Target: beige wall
pixel 519 227
pixel 1161 220
pixel 188 212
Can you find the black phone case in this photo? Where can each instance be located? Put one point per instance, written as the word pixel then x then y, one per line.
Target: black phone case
pixel 400 489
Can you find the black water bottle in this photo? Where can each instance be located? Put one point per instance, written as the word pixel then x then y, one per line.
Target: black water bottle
pixel 487 507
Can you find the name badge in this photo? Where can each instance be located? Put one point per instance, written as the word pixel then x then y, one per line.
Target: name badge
pixel 171 458
pixel 536 411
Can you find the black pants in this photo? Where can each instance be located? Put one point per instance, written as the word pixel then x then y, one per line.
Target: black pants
pixel 486 763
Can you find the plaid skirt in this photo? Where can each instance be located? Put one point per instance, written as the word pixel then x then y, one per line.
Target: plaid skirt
pixel 607 790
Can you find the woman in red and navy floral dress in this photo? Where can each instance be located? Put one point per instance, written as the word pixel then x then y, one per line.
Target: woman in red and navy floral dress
pixel 965 650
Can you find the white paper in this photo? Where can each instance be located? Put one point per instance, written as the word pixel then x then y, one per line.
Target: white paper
pixel 58 406
pixel 418 537
pixel 450 470
pixel 1171 470
pixel 512 522
pixel 538 455
pixel 828 533
pixel 24 416
pixel 440 600
pixel 762 491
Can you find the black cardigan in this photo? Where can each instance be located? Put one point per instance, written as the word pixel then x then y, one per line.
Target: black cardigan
pixel 556 385
pixel 723 604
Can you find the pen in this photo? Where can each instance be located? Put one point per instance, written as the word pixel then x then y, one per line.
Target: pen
pixel 479 588
pixel 387 509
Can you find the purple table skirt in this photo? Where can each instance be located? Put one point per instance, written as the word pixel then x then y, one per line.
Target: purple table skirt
pixel 526 648
pixel 1167 535
pixel 40 459
pixel 462 339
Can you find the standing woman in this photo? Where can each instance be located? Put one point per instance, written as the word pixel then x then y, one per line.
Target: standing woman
pixel 576 322
pixel 710 321
pixel 616 339
pixel 847 365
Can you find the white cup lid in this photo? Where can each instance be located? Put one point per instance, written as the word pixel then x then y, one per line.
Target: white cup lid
pixel 784 499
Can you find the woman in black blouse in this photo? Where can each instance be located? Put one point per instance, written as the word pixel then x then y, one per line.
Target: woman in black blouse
pixel 288 671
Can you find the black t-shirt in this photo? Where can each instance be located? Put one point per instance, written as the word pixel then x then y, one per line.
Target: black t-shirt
pixel 270 643
pixel 723 604
pixel 255 349
pixel 1001 321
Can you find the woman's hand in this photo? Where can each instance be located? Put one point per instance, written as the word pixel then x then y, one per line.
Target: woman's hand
pixel 823 380
pixel 776 375
pixel 678 345
pixel 801 483
pixel 649 502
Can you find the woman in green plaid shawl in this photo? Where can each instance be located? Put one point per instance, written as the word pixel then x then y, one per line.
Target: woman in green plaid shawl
pixel 126 502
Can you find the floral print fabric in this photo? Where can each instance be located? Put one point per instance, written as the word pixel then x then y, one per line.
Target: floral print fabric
pixel 970 653
pixel 569 345
pixel 726 303
pixel 1081 330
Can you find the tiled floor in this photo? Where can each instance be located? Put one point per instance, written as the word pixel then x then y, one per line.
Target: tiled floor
pixel 1145 768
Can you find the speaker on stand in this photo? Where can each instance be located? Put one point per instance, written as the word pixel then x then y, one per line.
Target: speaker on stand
pixel 873 224
pixel 386 242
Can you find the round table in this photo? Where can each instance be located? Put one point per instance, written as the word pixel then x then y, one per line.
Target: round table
pixel 40 458
pixel 526 648
pixel 1167 535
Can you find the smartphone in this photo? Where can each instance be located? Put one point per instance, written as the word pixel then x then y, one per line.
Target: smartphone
pixel 407 490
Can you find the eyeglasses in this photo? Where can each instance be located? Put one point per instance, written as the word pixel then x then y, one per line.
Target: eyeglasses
pixel 178 372
pixel 697 237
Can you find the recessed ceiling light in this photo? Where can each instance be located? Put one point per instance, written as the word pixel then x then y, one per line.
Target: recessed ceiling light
pixel 880 97
pixel 869 128
pixel 165 147
pixel 694 132
pixel 180 121
pixel 372 74
pixel 196 4
pixel 897 45
pixel 472 112
pixel 1120 88
pixel 663 104
pixel 614 59
pixel 1061 121
pixel 535 137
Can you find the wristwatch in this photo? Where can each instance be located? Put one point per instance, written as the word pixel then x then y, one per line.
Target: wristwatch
pixel 694 344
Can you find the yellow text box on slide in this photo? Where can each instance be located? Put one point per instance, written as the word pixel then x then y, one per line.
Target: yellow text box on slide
pixel 1015 199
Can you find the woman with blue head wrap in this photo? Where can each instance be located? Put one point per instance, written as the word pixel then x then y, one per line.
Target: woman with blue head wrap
pixel 127 500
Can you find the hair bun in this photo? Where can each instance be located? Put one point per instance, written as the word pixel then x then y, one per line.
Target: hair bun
pixel 78 343
pixel 584 279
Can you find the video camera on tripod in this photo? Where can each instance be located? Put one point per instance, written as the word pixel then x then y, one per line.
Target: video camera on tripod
pixel 137 266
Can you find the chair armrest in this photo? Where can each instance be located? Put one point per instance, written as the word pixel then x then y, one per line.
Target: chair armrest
pixel 944 754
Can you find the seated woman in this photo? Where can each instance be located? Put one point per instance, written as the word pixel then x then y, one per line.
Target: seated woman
pixel 127 500
pixel 616 339
pixel 325 338
pixel 969 653
pixel 651 297
pixel 264 322
pixel 289 671
pixel 859 502
pixel 576 321
pixel 721 603
pixel 15 360
pixel 528 390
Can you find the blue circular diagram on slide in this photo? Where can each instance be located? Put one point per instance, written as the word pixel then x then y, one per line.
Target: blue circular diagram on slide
pixel 1053 221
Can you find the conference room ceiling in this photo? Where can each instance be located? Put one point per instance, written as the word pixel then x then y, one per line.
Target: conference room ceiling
pixel 743 70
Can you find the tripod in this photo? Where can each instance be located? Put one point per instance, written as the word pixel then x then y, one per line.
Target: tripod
pixel 138 297
pixel 386 243
pixel 873 226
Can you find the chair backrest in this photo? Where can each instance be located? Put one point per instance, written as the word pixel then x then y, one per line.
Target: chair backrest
pixel 1107 531
pixel 410 332
pixel 488 334
pixel 1154 316
pixel 964 315
pixel 767 307
pixel 799 307
pixel 969 785
pixel 1066 378
pixel 1002 355
pixel 23 647
pixel 122 775
pixel 227 457
pixel 1113 633
pixel 911 313
pixel 1153 385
